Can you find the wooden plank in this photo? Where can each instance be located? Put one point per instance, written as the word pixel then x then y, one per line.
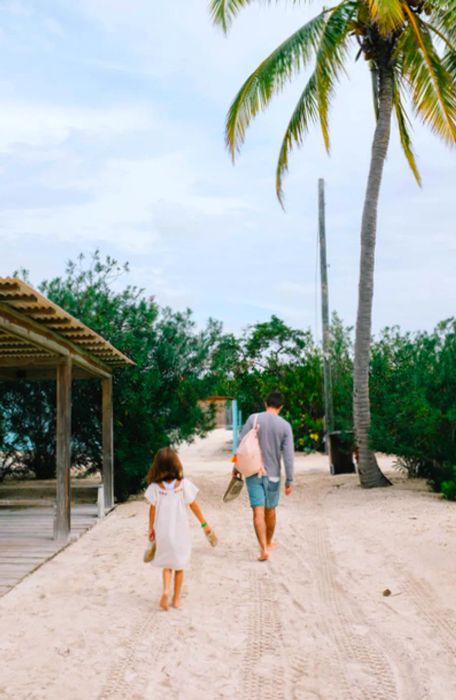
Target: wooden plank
pixel 63 452
pixel 32 546
pixel 17 296
pixel 108 442
pixel 40 302
pixel 30 330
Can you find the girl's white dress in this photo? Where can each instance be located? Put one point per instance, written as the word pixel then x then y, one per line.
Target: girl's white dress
pixel 172 528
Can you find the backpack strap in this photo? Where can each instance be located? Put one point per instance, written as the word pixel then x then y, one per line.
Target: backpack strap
pixel 255 422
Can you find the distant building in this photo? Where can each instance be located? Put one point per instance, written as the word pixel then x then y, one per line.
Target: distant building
pixel 221 405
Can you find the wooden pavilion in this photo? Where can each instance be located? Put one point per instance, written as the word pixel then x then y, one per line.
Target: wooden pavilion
pixel 39 340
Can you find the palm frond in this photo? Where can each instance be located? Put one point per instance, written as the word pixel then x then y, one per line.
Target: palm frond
pixel 304 114
pixel 269 78
pixel 330 59
pixel 223 12
pixel 449 63
pixel 387 14
pixel 449 45
pixel 403 123
pixel 443 17
pixel 431 84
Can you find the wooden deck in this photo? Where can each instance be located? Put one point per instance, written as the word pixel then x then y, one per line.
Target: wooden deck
pixel 26 538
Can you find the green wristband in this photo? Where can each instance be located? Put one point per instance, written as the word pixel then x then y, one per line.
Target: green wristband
pixel 204 524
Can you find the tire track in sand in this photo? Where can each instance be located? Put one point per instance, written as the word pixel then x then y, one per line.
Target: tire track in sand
pixel 264 675
pixel 440 621
pixel 363 662
pixel 349 633
pixel 130 675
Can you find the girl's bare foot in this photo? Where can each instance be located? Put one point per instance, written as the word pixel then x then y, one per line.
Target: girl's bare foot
pixel 176 602
pixel 164 601
pixel 273 545
pixel 264 556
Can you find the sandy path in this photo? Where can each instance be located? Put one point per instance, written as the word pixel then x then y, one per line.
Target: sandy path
pixel 311 623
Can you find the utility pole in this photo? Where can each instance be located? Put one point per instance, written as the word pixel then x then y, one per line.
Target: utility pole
pixel 329 412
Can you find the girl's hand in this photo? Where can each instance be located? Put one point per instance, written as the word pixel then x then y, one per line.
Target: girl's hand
pixel 151 535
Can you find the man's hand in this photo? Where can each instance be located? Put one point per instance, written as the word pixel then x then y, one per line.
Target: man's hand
pixel 151 535
pixel 288 489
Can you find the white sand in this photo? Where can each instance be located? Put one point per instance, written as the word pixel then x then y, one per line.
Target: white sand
pixel 311 623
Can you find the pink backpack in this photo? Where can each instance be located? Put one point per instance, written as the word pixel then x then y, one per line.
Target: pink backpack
pixel 249 458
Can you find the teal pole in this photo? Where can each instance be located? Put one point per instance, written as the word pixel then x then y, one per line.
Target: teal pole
pixel 235 414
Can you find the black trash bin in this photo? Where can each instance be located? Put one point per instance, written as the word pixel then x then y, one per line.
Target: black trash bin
pixel 341 449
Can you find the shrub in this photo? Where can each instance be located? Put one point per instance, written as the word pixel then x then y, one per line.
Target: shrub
pixel 449 489
pixel 413 390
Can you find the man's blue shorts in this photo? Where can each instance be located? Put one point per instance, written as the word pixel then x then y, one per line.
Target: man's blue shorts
pixel 262 491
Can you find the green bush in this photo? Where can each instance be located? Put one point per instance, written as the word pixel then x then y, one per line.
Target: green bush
pixel 413 390
pixel 448 486
pixel 156 402
pixel 271 355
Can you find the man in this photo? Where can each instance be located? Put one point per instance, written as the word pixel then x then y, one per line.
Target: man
pixel 276 440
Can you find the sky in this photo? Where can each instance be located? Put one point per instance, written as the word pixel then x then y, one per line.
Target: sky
pixel 112 137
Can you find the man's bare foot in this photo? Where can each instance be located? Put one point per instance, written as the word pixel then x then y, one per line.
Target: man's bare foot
pixel 264 556
pixel 176 602
pixel 273 545
pixel 164 601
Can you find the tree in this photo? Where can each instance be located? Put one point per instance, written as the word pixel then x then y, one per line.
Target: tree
pixel 271 355
pixel 409 46
pixel 155 401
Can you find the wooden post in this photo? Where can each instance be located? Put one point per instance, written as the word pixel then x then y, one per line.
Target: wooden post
pixel 108 442
pixel 62 523
pixel 329 412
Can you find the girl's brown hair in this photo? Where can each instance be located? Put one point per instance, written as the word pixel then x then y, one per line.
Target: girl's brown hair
pixel 165 467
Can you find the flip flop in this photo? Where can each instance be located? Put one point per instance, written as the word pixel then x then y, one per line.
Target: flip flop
pixel 233 490
pixel 149 552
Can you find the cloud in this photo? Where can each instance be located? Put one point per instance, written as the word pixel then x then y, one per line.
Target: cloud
pixel 111 135
pixel 47 125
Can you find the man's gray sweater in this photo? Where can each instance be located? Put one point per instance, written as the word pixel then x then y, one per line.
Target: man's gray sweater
pixel 276 438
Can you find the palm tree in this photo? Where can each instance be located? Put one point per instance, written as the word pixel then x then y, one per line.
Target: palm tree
pixel 409 47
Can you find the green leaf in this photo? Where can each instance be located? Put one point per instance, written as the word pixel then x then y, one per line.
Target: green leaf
pixel 443 17
pixel 330 59
pixel 403 126
pixel 270 77
pixel 314 101
pixel 449 63
pixel 223 12
pixel 305 113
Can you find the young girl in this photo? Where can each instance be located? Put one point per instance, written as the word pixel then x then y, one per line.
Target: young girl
pixel 169 494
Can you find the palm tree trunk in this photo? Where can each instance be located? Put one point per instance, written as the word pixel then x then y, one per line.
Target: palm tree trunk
pixel 368 470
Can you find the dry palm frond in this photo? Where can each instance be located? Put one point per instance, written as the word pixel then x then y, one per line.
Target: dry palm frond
pixel 430 83
pixel 387 14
